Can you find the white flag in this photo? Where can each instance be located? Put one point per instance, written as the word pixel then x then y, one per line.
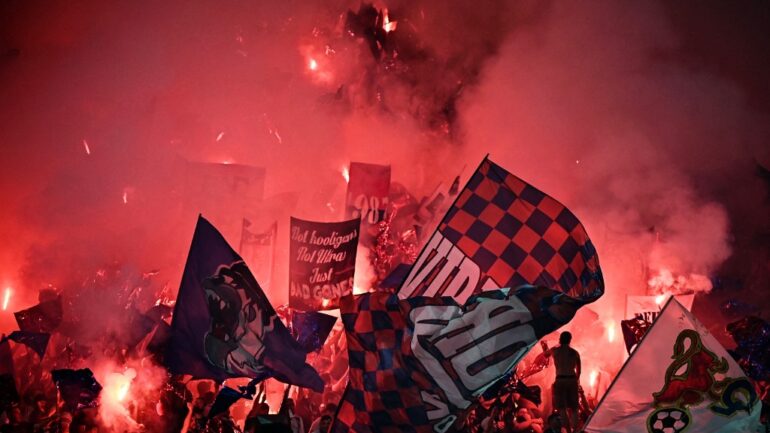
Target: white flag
pixel 679 379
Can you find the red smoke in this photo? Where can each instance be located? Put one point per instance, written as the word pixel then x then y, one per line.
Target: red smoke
pixel 605 106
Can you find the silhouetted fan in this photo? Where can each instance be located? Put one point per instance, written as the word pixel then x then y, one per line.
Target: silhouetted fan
pixel 8 393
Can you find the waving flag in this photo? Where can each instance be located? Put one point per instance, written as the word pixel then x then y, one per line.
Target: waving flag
pixel 418 360
pixel 37 341
pixel 43 317
pixel 503 232
pixel 223 324
pixel 678 379
pixel 311 328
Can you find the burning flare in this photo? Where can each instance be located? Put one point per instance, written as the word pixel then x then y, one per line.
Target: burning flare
pixel 609 326
pixel 7 297
pixel 387 24
pixel 117 387
pixel 345 174
pixel 592 378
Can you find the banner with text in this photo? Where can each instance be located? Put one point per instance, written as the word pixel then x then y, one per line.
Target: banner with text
pixel 368 190
pixel 322 263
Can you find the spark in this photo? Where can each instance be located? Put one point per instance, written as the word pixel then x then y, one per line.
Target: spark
pixel 125 196
pixel 226 162
pixel 312 65
pixel 219 136
pixel 610 327
pixel 278 136
pixel 660 299
pixel 6 297
pixel 85 145
pixel 345 174
pixel 387 24
pixel 326 302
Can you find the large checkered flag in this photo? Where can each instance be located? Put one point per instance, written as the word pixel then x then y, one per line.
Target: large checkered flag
pixel 420 357
pixel 503 232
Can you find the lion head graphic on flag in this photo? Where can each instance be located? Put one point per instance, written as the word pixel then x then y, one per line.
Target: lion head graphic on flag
pixel 697 375
pixel 234 341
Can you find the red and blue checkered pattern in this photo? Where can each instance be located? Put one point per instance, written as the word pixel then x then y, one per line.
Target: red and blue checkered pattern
pixel 384 379
pixel 518 235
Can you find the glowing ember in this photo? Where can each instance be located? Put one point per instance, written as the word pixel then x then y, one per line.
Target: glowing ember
pixel 387 24
pixel 345 174
pixel 312 65
pixel 226 162
pixel 660 299
pixel 610 328
pixel 592 378
pixel 85 145
pixel 125 196
pixel 6 297
pixel 219 136
pixel 326 302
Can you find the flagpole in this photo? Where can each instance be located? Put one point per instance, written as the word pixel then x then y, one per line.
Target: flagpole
pixel 273 241
pixel 628 361
pixel 422 250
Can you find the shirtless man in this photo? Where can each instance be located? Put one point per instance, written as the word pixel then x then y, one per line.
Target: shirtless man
pixel 565 388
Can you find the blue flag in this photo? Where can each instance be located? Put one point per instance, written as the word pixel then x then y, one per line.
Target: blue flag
pixel 223 324
pixel 225 398
pixel 312 328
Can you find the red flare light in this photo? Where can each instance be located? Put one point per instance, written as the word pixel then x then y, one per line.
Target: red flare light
pixel 345 174
pixel 387 24
pixel 610 328
pixel 7 297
